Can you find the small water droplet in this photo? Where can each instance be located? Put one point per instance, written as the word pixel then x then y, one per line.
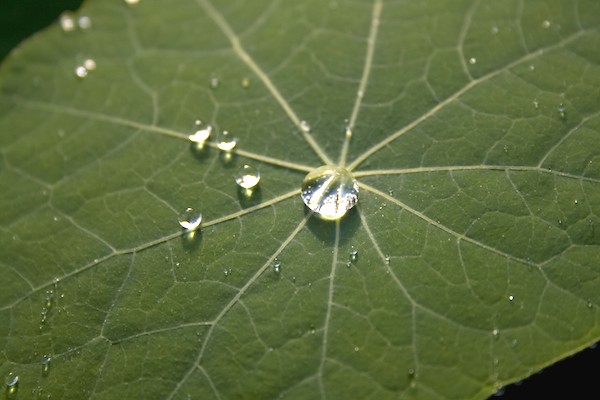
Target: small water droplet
pixel 330 191
pixel 499 391
pixel 276 265
pixel 387 259
pixel 246 83
pixel 132 2
pixel 348 133
pixel 214 82
pixel 247 177
pixel 496 333
pixel 81 71
pixel 348 264
pixel 67 21
pixel 12 386
pixel 511 297
pixel 226 142
pixel 190 219
pixel 200 132
pixel 536 104
pixel 494 30
pixel 472 61
pixel 312 329
pixel 505 148
pixel 576 201
pixel 356 348
pixel 353 254
pixel 84 22
pixel 304 126
pixel 590 304
pixel 532 67
pixel 562 111
pixel 546 24
pixel 46 365
pixel 89 64
pixel 227 271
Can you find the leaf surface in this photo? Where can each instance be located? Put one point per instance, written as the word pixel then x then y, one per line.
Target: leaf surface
pixel 474 129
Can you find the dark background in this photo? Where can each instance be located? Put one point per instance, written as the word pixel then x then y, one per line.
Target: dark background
pixel 573 378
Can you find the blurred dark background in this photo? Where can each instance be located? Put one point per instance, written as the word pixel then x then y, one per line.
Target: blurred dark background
pixel 573 378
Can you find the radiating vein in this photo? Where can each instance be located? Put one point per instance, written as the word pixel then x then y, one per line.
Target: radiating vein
pixel 236 298
pixel 61 109
pixel 438 225
pixel 377 147
pixel 245 57
pixel 458 168
pixel 334 261
pixel 157 242
pixel 364 80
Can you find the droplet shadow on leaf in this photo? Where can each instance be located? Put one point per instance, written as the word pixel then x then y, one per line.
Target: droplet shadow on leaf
pixel 200 151
pixel 191 240
pixel 249 197
pixel 325 230
pixel 228 159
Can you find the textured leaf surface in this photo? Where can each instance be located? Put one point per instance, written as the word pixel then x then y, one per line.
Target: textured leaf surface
pixel 474 139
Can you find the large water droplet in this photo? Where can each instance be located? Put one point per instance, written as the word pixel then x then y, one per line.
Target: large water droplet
pixel 200 132
pixel 12 386
pixel 226 141
pixel 330 191
pixel 190 219
pixel 247 177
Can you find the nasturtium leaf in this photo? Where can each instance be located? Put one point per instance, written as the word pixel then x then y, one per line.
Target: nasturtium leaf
pixel 471 260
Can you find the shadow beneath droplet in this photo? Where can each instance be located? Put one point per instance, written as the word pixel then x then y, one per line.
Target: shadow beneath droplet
pixel 249 197
pixel 200 151
pixel 192 240
pixel 325 230
pixel 228 159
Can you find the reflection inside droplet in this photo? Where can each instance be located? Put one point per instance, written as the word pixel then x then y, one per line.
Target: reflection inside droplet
pixel 330 191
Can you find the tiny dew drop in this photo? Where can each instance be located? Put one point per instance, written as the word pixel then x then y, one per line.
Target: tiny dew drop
pixel 214 82
pixel 494 30
pixel 12 386
pixel 67 21
pixel 348 133
pixel 246 83
pixel 546 24
pixel 226 142
pixel 276 265
pixel 387 259
pixel 84 22
pixel 132 2
pixel 496 333
pixel 200 132
pixel 562 111
pixel 190 219
pixel 46 365
pixel 330 191
pixel 353 254
pixel 81 71
pixel 511 298
pixel 247 177
pixel 304 126
pixel 89 64
pixel 472 61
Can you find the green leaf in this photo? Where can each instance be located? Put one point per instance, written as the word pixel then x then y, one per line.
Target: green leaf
pixel 474 140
